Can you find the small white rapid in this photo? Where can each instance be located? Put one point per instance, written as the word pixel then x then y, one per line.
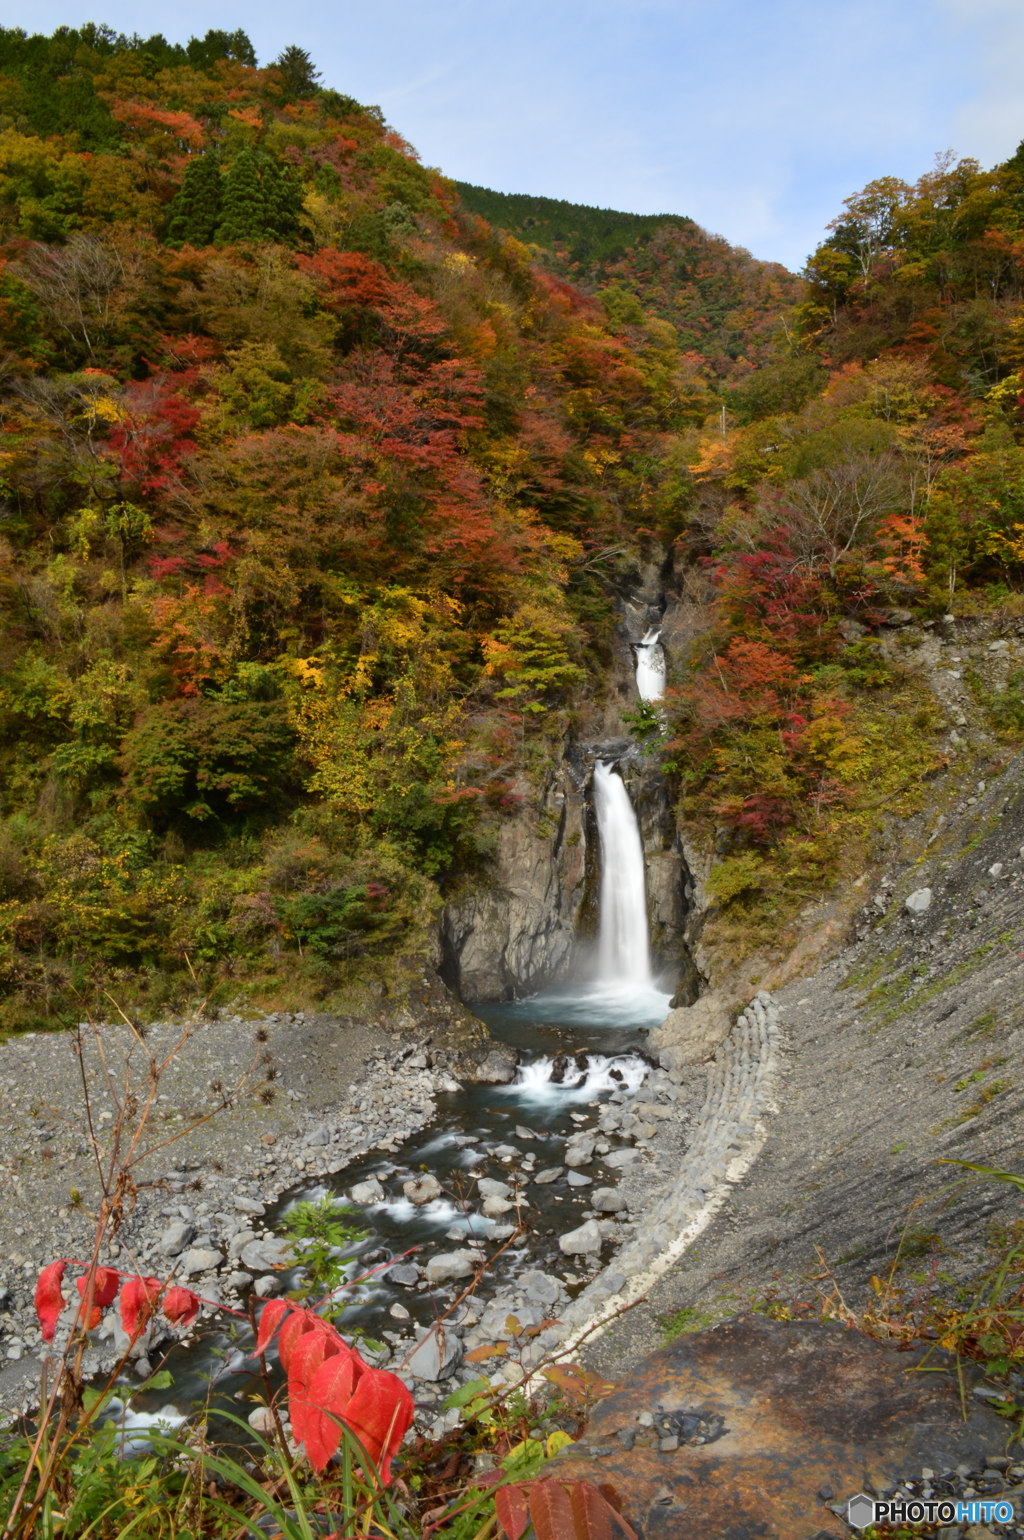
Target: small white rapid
pixel 623 946
pixel 577 1078
pixel 650 666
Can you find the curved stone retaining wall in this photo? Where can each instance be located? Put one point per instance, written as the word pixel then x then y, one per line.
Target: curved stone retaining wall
pixel 730 1134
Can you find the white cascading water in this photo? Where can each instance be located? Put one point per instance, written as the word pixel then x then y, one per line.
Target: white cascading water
pixel 650 667
pixel 602 1072
pixel 623 945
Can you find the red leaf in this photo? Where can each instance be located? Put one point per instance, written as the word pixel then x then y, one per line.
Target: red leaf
pixel 305 1359
pixel 551 1511
pixel 181 1306
pixel 49 1299
pixel 297 1324
pixel 107 1281
pixel 590 1512
pixel 138 1297
pixel 271 1316
pixel 513 1515
pixel 379 1414
pixel 329 1392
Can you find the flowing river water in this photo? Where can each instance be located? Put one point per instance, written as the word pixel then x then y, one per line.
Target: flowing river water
pixel 579 1046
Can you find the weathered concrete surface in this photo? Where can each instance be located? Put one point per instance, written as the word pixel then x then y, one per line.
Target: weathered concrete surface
pixel 809 1409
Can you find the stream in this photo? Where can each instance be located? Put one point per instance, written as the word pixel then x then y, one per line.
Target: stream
pixel 580 1046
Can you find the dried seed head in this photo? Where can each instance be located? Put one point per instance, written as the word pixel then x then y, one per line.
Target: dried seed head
pixel 267 1095
pixel 262 1035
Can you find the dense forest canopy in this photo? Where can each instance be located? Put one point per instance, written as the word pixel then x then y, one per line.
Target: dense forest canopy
pixel 316 486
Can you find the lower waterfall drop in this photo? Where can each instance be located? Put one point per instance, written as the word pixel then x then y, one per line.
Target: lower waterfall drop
pixel 623 943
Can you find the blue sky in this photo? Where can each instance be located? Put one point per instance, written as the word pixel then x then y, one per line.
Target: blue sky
pixel 755 117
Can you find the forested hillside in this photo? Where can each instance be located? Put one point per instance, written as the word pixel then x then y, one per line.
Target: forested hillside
pixel 314 481
pixel 724 304
pixel 309 484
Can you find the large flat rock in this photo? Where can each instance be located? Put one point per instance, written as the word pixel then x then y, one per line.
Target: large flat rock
pixel 809 1409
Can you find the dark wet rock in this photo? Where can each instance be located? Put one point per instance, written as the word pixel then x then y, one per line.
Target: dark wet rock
pixel 786 1410
pixel 406 1273
pixel 497 1067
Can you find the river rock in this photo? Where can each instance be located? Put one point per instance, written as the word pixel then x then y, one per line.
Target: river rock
pixel 200 1260
pixel 248 1206
pixel 406 1273
pixel 550 1175
pixel 493 1208
pixel 261 1420
pixel 497 1068
pixel 691 1033
pixel 586 1239
pixel 450 1265
pixel 540 1288
pixel 617 1159
pixel 580 1151
pixel 577 1179
pixel 436 1357
pixel 262 1256
pixel 607 1200
pixel 422 1189
pixel 369 1191
pixel 239 1280
pixel 267 1286
pixel 176 1237
pixel 489 1188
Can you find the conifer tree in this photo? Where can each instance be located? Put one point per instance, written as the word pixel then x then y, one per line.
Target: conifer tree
pixel 282 197
pixel 243 216
pixel 195 213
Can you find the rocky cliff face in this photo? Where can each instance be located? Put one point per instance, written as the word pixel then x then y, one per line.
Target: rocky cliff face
pixel 530 924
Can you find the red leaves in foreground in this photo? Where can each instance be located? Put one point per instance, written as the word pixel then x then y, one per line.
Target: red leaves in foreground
pixel 49 1299
pixel 180 1306
pixel 329 1383
pixel 138 1299
pixel 560 1510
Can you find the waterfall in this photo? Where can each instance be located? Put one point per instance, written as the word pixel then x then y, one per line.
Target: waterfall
pixel 624 953
pixel 650 666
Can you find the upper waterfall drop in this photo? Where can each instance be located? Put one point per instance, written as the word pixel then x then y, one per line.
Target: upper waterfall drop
pixel 650 666
pixel 623 947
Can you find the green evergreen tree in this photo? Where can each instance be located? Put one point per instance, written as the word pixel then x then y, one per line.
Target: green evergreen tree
pixel 282 197
pixel 195 213
pixel 300 77
pixel 243 210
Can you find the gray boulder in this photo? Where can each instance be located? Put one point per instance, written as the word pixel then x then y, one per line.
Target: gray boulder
pixel 578 1242
pixel 691 1033
pixel 369 1191
pixel 262 1256
pixel 489 1188
pixel 918 901
pixel 448 1266
pixel 422 1189
pixel 550 1175
pixel 540 1288
pixel 436 1357
pixel 608 1200
pixel 200 1260
pixel 617 1159
pixel 176 1237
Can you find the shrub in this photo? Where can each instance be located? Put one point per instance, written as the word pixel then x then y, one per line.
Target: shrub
pixel 190 761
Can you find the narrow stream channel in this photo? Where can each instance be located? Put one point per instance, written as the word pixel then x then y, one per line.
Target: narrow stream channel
pixel 579 1047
